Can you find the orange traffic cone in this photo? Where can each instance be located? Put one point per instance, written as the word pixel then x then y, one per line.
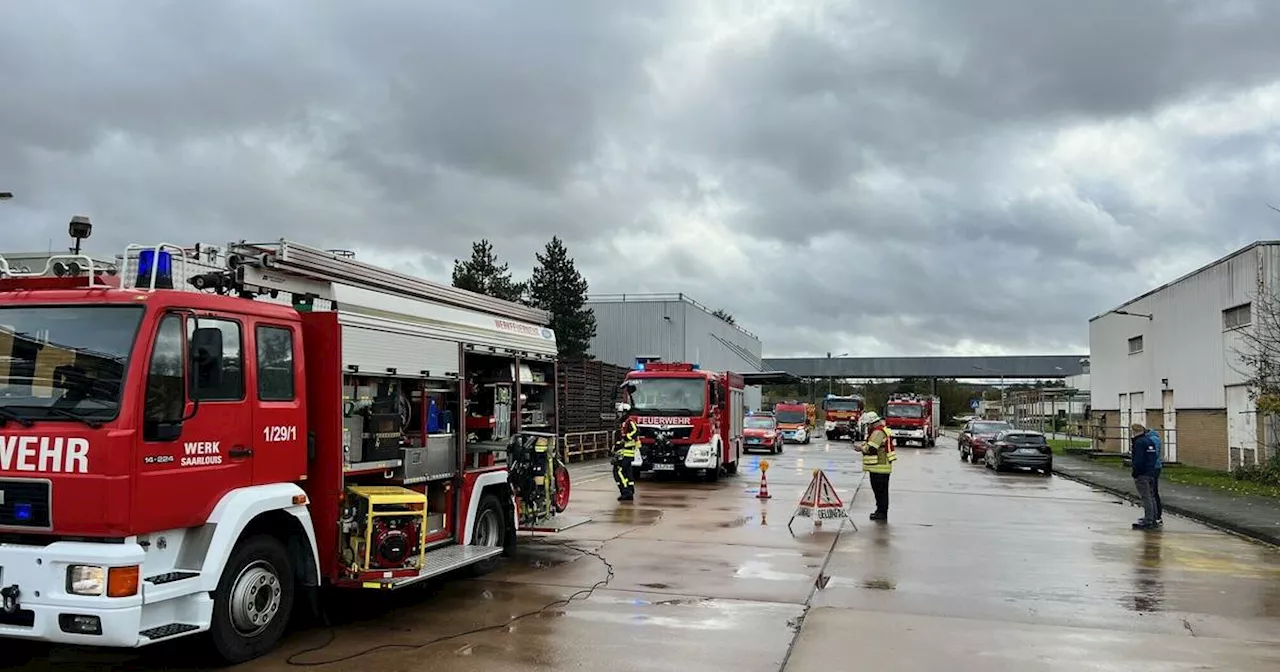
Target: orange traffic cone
pixel 764 486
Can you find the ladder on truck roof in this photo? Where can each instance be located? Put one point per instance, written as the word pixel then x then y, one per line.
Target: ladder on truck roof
pixel 286 266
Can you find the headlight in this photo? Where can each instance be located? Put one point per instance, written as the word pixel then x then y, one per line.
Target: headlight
pixel 86 580
pixel 94 581
pixel 800 433
pixel 701 453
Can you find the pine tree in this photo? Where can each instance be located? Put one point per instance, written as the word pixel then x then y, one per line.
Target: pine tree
pixel 558 288
pixel 483 274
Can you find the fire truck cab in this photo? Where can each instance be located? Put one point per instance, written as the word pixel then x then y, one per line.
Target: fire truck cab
pixel 193 437
pixel 701 412
pixel 913 417
pixel 841 416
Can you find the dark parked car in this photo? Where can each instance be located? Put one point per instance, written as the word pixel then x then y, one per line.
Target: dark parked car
pixel 977 435
pixel 1020 448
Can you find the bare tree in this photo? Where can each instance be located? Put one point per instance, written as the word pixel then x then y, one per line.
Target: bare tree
pixel 1258 361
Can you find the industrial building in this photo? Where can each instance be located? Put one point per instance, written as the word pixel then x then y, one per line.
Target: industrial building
pixel 1171 360
pixel 675 328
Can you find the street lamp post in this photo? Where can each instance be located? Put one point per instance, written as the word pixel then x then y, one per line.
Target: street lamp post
pixel 831 379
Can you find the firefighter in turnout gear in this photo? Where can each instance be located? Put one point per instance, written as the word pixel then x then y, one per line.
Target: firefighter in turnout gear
pixel 878 456
pixel 624 455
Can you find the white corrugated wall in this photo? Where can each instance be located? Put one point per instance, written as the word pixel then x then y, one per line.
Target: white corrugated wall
pixel 1185 342
pixel 625 329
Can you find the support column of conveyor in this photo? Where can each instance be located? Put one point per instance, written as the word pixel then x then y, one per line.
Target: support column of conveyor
pixel 289 257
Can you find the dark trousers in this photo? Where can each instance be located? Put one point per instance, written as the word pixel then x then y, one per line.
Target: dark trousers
pixel 880 487
pixel 624 474
pixel 1146 486
pixel 1155 494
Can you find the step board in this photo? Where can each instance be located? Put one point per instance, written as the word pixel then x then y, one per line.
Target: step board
pixel 440 562
pixel 556 524
pixel 167 631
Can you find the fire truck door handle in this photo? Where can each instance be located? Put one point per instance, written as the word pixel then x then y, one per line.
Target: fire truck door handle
pixel 240 451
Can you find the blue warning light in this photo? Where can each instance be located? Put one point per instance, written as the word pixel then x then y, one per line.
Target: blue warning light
pixel 22 511
pixel 162 262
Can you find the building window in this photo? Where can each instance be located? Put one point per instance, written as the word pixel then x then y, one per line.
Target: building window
pixel 1135 345
pixel 1239 316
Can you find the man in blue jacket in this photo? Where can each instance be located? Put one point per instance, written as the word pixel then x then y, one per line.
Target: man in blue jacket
pixel 1145 452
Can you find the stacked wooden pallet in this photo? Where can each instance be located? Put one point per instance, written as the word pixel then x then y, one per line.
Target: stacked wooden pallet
pixel 588 390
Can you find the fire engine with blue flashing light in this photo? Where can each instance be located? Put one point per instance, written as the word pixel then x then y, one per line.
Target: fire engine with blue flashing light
pixel 841 414
pixel 195 439
pixel 698 413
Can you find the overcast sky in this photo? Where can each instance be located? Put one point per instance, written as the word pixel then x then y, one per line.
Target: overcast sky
pixel 910 177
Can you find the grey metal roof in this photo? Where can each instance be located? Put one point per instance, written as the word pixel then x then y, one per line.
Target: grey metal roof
pixel 1013 366
pixel 1202 269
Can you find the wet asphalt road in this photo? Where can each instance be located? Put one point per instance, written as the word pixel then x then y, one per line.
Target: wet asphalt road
pixel 974 571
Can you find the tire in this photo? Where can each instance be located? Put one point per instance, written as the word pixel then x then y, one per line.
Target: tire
pixel 563 487
pixel 254 599
pixel 831 436
pixel 490 529
pixel 973 459
pixel 963 456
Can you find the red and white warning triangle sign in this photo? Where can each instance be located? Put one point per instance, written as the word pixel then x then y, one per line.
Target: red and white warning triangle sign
pixel 820 500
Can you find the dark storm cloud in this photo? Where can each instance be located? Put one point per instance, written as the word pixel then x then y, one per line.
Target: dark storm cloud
pixel 890 177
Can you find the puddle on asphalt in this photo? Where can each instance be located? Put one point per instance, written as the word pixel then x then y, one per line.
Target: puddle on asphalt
pixel 738 522
pixel 879 584
pixel 763 570
pixel 628 515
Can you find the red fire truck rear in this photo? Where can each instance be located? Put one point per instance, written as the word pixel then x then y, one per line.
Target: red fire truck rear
pixel 842 414
pixel 703 411
pixel 176 461
pixel 913 417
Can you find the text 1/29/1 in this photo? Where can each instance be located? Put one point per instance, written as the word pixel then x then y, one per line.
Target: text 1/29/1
pixel 278 433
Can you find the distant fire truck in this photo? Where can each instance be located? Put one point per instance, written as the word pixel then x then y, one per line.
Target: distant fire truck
pixel 913 417
pixel 841 416
pixel 793 420
pixel 175 461
pixel 701 410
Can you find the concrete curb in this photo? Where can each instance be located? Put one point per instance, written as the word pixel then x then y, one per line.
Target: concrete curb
pixel 1261 536
pixel 1215 522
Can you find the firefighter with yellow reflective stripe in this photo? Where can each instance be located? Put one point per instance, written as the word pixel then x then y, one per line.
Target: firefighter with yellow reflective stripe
pixel 624 455
pixel 878 456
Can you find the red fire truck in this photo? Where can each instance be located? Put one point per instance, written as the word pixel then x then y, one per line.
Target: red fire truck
pixel 176 461
pixel 793 419
pixel 913 417
pixel 842 414
pixel 701 412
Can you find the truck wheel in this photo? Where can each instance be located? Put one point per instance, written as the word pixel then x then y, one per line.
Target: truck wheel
pixel 490 530
pixel 563 486
pixel 713 474
pixel 254 599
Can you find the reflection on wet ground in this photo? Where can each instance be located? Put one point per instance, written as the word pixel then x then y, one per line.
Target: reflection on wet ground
pixel 974 571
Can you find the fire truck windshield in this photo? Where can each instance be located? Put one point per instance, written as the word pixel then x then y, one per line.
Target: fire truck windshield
pixel 676 396
pixel 791 417
pixel 904 411
pixel 841 405
pixel 64 361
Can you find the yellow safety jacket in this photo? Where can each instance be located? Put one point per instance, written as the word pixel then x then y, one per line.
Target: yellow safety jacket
pixel 630 442
pixel 880 462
